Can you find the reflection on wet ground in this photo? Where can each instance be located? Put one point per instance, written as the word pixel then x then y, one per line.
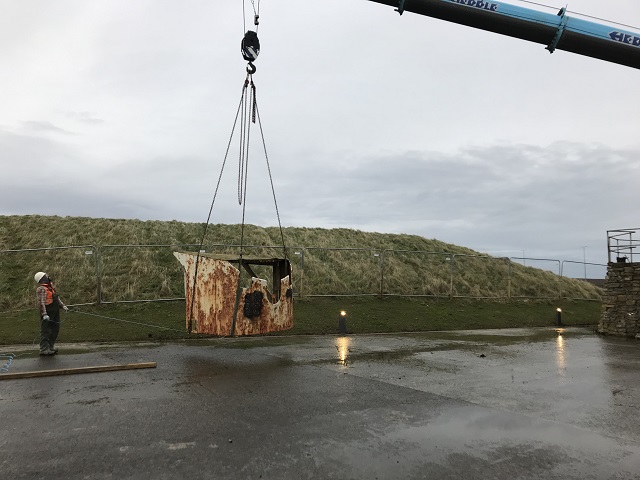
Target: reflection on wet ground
pixel 539 403
pixel 558 374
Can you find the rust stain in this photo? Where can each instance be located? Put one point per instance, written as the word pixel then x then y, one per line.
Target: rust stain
pixel 215 296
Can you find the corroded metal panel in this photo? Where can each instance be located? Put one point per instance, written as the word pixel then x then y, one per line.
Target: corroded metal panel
pixel 215 297
pixel 273 316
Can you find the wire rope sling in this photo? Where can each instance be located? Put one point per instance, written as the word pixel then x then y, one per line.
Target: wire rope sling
pixel 247 315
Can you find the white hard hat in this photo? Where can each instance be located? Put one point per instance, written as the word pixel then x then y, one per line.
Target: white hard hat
pixel 38 276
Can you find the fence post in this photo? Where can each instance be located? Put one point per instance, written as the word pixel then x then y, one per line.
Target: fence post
pixel 452 257
pixel 509 280
pixel 99 274
pixel 301 271
pixel 381 274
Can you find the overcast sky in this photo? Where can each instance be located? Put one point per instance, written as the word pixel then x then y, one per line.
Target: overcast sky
pixel 372 121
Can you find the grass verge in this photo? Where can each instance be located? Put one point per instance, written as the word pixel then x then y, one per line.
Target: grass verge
pixel 166 320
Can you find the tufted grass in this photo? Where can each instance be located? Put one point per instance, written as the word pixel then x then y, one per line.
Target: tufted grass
pixel 318 316
pixel 411 265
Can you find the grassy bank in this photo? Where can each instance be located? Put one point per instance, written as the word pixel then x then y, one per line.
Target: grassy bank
pixel 312 316
pixel 133 260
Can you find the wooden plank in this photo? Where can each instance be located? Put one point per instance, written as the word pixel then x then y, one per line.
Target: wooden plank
pixel 74 371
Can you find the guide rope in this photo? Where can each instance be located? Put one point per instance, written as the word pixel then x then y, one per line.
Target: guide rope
pixel 7 358
pixel 160 327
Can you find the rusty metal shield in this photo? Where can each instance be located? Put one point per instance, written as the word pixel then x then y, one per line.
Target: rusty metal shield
pixel 217 299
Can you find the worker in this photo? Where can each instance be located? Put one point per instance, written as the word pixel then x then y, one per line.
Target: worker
pixel 49 305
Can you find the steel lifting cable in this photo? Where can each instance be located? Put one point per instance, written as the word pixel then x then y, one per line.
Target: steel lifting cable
pixel 248 106
pixel 215 196
pixel 273 191
pixel 256 15
pixel 248 113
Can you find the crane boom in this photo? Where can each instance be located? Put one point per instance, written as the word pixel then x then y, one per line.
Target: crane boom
pixel 556 31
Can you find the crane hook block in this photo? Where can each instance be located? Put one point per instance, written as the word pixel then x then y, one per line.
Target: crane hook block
pixel 250 46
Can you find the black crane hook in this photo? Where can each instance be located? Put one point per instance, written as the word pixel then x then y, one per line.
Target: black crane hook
pixel 250 48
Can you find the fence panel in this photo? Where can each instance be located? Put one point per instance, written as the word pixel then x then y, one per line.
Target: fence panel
pixel 527 281
pixel 342 271
pixel 76 282
pixel 153 271
pixel 480 276
pixel 131 273
pixel 416 273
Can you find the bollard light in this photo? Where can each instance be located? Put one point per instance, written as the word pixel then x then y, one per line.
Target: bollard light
pixel 342 322
pixel 559 316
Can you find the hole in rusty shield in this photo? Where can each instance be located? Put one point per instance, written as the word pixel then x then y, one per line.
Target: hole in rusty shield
pixel 253 304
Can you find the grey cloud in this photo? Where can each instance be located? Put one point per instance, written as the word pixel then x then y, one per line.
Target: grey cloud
pixel 86 118
pixel 59 198
pixel 509 195
pixel 44 127
pixel 26 157
pixel 368 125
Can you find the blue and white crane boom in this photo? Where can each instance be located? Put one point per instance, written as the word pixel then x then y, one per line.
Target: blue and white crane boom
pixel 558 31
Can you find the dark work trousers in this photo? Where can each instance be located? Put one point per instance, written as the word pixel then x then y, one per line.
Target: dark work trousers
pixel 49 328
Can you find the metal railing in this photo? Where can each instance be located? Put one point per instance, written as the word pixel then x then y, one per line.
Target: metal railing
pixel 583 264
pixel 622 243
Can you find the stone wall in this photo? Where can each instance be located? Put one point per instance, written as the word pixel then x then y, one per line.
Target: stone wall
pixel 621 301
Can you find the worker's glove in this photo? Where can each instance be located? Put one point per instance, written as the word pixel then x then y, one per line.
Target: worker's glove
pixel 45 318
pixel 66 309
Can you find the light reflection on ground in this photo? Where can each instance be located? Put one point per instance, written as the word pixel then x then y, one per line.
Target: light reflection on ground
pixel 342 346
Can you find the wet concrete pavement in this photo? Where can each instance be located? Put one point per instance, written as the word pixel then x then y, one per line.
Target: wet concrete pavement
pixel 541 403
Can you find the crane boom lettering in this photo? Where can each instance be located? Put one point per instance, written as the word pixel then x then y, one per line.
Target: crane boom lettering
pixel 558 31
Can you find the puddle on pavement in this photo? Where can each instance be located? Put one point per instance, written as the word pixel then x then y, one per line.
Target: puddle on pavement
pixel 347 354
pixel 505 336
pixel 198 368
pixel 481 344
pixel 252 342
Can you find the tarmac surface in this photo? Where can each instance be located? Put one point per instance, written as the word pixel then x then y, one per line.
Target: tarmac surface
pixel 500 404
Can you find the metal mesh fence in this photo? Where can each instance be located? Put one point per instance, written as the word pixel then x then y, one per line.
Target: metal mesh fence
pixel 417 273
pixel 468 268
pixel 538 279
pixel 139 273
pixel 77 282
pixel 341 271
